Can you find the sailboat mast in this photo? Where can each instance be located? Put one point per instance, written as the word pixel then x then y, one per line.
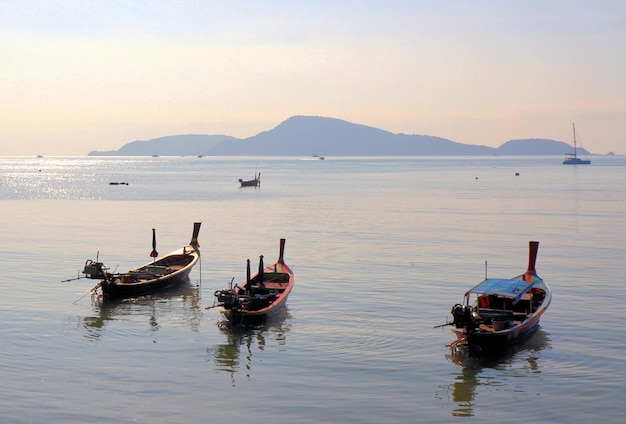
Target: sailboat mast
pixel 574 129
pixel 572 158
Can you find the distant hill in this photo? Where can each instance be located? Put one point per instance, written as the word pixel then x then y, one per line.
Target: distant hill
pixel 174 145
pixel 308 135
pixel 537 146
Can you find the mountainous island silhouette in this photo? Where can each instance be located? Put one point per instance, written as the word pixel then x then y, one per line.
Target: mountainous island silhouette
pixel 308 135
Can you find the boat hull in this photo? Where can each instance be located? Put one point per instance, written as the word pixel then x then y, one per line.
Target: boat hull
pixel 576 161
pixel 248 316
pixel 492 341
pixel 138 283
pixel 261 295
pixel 255 182
pixel 251 183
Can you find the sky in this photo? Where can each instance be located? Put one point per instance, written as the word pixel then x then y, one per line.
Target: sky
pixel 77 76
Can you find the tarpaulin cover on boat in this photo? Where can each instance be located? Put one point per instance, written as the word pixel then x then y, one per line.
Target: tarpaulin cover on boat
pixel 512 289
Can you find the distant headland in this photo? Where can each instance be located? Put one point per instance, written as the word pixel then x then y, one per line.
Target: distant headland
pixel 307 135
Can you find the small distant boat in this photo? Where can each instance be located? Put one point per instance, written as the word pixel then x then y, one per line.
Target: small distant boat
pixel 159 274
pixel 259 296
pixel 39 156
pixel 572 158
pixel 251 183
pixel 500 312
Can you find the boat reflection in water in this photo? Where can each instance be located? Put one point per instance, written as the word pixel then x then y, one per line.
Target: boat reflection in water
pixel 181 301
pixel 481 372
pixel 243 341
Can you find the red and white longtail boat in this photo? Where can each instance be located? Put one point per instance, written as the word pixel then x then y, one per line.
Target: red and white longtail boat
pixel 499 312
pixel 260 295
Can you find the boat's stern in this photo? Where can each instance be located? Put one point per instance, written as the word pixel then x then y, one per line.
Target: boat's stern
pixel 463 321
pixel 94 270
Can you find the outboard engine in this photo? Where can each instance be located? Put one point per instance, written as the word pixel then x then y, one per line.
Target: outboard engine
pixel 95 270
pixel 228 298
pixel 462 316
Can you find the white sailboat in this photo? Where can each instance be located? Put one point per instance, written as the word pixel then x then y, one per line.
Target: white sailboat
pixel 572 158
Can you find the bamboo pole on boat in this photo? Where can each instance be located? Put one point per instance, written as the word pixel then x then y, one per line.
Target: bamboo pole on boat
pixel 533 248
pixel 194 237
pixel 154 252
pixel 485 270
pixel 282 251
pixel 260 274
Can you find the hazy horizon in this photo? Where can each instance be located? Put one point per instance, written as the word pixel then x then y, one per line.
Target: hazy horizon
pixel 79 76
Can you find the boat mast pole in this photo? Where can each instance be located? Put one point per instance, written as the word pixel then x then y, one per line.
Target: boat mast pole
pixel 574 130
pixel 154 254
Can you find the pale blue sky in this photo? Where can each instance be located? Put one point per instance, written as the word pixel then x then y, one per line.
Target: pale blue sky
pixel 77 76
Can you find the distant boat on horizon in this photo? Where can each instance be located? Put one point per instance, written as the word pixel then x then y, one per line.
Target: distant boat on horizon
pixel 255 182
pixel 572 158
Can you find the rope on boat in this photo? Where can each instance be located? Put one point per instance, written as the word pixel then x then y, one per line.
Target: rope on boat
pixel 92 291
pixel 458 344
pixel 212 306
pixel 200 279
pixel 444 325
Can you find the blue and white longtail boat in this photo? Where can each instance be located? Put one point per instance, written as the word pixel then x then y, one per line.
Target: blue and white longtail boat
pixel 499 312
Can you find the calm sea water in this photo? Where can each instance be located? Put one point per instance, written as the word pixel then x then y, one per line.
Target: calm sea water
pixel 381 247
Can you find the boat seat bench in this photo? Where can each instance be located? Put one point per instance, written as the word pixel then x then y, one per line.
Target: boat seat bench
pixel 274 285
pixel 490 312
pixel 275 276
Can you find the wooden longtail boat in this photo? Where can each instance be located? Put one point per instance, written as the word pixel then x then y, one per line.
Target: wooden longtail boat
pixel 259 296
pixel 159 274
pixel 255 182
pixel 499 312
